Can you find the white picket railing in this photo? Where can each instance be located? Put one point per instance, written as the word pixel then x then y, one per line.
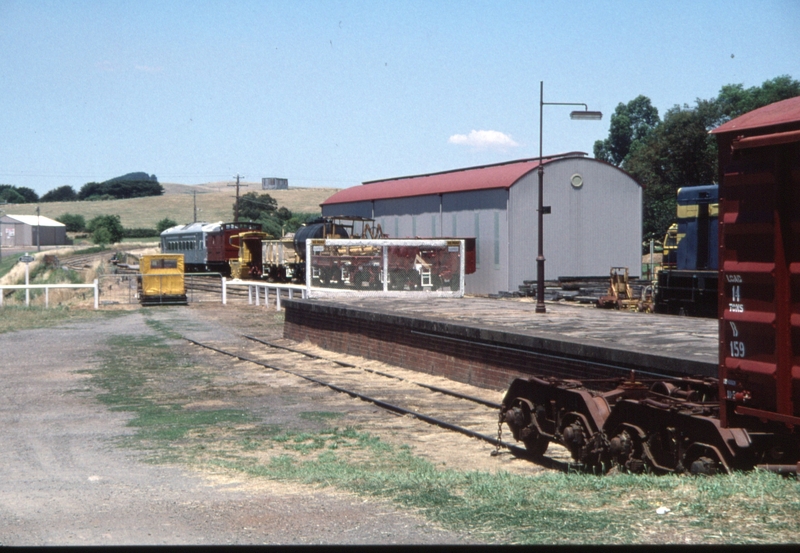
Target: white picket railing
pixel 47 288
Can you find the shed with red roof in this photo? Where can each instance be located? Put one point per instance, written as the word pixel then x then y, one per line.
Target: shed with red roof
pixel 595 221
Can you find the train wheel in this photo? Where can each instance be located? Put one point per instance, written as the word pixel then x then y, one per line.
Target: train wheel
pixel 521 419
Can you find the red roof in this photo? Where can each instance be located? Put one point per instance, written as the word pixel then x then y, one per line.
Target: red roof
pixel 779 113
pixel 502 175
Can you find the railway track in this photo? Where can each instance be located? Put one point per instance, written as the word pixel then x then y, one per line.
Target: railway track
pixel 447 409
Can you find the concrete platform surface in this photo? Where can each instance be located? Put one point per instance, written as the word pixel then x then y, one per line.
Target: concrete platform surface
pixel 670 336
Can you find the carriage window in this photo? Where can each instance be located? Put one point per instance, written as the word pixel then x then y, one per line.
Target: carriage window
pixel 170 263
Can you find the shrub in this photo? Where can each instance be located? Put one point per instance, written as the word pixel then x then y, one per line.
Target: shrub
pixel 75 223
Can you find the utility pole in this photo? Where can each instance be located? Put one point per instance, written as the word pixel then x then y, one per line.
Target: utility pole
pixel 236 205
pixel 194 198
pixel 38 231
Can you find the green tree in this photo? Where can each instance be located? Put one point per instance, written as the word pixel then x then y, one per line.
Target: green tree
pixel 630 123
pixel 164 224
pixel 9 194
pixel 61 194
pixel 253 207
pixel 111 223
pixel 102 237
pixel 74 223
pixel 678 151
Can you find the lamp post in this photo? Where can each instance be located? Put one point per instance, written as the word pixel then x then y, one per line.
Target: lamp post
pixel 585 115
pixel 1 233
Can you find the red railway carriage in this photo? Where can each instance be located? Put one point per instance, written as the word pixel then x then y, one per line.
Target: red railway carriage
pixel 759 293
pixel 221 251
pixel 750 415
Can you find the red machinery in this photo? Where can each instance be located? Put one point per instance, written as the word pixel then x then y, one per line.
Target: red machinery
pixel 750 415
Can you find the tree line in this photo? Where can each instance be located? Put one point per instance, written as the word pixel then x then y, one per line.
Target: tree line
pixel 677 151
pixel 132 185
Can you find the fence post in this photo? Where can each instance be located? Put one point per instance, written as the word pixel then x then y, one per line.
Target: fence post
pixel 46 297
pixel 224 291
pixel 277 299
pixel 96 293
pixel 385 268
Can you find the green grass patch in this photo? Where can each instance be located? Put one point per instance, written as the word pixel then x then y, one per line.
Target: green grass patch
pixel 7 263
pixel 185 413
pixel 15 317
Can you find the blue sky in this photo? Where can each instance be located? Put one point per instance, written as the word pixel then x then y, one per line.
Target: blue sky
pixel 332 94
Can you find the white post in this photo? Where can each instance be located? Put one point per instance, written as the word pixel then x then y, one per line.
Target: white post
pixel 308 267
pixel 27 291
pixel 46 297
pixel 385 268
pixel 249 295
pixel 2 293
pixel 461 276
pixel 224 291
pixel 277 299
pixel 96 294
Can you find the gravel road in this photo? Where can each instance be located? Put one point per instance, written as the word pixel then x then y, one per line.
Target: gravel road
pixel 64 482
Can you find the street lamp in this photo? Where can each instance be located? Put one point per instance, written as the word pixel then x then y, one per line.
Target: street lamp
pixel 584 115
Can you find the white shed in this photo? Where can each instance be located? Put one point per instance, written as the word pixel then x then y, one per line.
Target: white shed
pixel 595 221
pixel 31 230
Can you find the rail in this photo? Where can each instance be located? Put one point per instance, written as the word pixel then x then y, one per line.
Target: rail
pixel 47 287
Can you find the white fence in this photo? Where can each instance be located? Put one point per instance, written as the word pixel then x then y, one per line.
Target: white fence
pixel 47 288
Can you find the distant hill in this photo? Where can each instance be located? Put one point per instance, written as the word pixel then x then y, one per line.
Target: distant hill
pixel 144 177
pixel 214 203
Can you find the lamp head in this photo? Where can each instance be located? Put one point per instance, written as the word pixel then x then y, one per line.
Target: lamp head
pixel 586 115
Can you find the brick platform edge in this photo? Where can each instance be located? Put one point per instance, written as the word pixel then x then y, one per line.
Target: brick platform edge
pixel 482 356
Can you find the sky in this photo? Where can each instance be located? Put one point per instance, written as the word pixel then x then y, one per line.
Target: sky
pixel 335 93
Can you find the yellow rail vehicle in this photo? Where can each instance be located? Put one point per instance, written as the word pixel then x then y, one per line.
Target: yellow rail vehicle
pixel 162 280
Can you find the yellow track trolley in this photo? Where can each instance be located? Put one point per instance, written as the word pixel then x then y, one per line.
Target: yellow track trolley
pixel 162 280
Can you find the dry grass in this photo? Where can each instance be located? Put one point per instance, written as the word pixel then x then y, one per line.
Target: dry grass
pixel 214 203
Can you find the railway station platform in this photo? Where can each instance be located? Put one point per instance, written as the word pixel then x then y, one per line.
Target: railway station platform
pixel 489 342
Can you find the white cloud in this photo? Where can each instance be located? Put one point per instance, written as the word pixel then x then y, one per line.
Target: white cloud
pixel 484 140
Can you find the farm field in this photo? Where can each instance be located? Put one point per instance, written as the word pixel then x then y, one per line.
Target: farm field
pixel 214 203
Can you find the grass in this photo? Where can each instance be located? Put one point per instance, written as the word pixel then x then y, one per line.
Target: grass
pixel 14 318
pixel 183 412
pixel 214 202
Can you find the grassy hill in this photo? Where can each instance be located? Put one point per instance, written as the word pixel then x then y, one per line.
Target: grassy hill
pixel 214 203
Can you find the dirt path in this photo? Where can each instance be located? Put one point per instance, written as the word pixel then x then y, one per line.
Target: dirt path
pixel 64 482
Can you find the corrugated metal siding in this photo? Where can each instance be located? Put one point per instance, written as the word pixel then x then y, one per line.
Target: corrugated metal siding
pixel 472 214
pixel 358 209
pixel 590 229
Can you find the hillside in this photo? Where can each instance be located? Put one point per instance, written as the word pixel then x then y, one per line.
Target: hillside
pixel 214 203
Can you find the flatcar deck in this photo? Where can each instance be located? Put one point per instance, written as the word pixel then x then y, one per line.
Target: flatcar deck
pixel 488 342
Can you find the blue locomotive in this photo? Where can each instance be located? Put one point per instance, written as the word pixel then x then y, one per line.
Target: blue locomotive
pixel 689 286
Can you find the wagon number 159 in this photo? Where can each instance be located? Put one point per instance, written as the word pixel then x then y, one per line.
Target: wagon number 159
pixel 737 349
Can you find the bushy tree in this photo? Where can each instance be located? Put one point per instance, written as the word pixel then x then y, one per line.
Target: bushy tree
pixel 102 237
pixel 61 194
pixel 74 223
pixel 111 224
pixel 630 123
pixel 668 154
pixel 8 194
pixel 133 185
pixel 253 207
pixel 164 224
pixel 17 194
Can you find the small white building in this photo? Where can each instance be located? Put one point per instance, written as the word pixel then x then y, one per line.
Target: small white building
pixel 31 230
pixel 595 221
